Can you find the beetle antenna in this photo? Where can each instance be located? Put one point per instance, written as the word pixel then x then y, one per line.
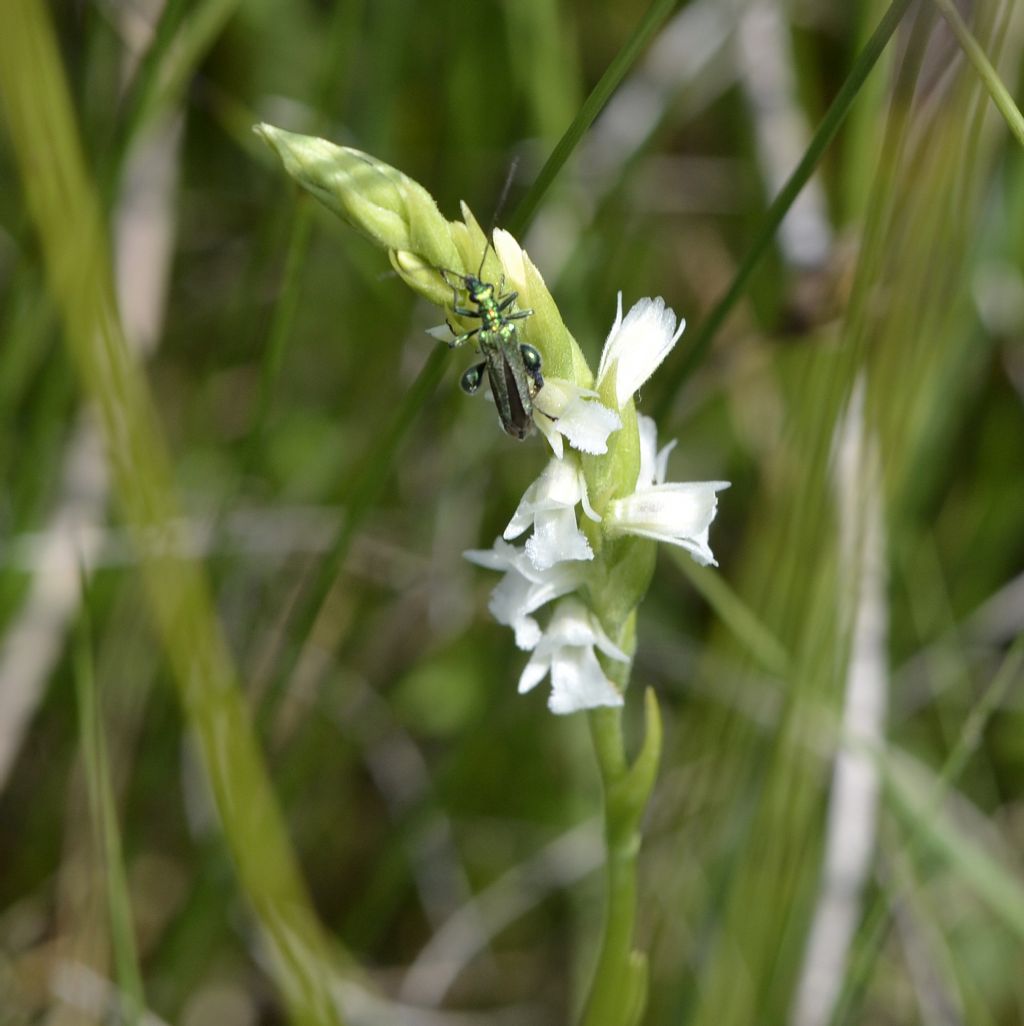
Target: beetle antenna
pixel 480 269
pixel 509 178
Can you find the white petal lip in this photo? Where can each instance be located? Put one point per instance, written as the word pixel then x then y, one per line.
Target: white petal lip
pixel 566 652
pixel 564 408
pixel 560 485
pixel 637 344
pixel 588 425
pixel 578 683
pixel 549 507
pixel 524 588
pixel 678 513
pixel 557 539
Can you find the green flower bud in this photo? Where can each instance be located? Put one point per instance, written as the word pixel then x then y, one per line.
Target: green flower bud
pixel 380 202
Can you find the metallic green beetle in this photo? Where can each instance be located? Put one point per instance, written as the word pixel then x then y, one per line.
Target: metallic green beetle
pixel 513 369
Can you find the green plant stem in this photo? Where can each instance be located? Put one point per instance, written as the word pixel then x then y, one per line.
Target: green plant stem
pixel 989 77
pixel 700 341
pixel 618 992
pixel 612 980
pixel 592 106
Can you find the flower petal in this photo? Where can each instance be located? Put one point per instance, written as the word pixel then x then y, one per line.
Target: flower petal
pixel 550 432
pixel 533 673
pixel 573 412
pixel 661 464
pixel 549 507
pixel 574 624
pixel 578 682
pixel 566 651
pixel 524 588
pixel 648 451
pixel 637 344
pixel 556 539
pixel 560 485
pixel 442 332
pixel 678 513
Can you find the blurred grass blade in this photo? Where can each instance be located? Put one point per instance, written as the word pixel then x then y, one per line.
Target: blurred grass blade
pixel 700 341
pixel 282 320
pixel 367 485
pixel 746 626
pixel 140 91
pixel 103 815
pixel 180 41
pixel 921 828
pixel 64 207
pixel 655 17
pixel 989 76
pixel 996 885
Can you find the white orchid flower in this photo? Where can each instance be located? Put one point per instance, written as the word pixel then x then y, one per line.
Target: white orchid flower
pixel 635 348
pixel 679 513
pixel 524 588
pixel 566 651
pixel 549 507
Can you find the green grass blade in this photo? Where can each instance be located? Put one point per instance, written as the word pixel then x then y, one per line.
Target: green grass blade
pixel 366 488
pixel 700 341
pixel 989 76
pixel 655 17
pixel 180 42
pixel 103 813
pixel 747 627
pixel 283 318
pixel 64 206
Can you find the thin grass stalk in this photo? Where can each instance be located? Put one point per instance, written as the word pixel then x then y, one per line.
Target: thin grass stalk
pixel 989 76
pixel 928 298
pixel 103 813
pixel 281 321
pixel 655 17
pixel 701 339
pixel 1001 891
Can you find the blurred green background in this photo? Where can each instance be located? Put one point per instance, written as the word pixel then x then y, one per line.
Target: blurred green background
pixel 837 831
